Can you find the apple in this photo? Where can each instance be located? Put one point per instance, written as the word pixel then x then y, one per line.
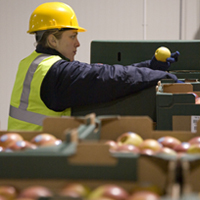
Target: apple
pixel 52 143
pixel 7 138
pixel 167 150
pixel 193 149
pixel 150 144
pixel 75 190
pixel 169 141
pixel 111 191
pixel 182 148
pixel 1 148
pixel 43 138
pixel 21 145
pixel 162 53
pixel 127 148
pixel 147 186
pixel 112 145
pixel 130 138
pixel 8 191
pixel 144 195
pixel 148 152
pixel 35 191
pixel 194 140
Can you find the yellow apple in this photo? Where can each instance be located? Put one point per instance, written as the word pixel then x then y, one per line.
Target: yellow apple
pixel 109 191
pixel 150 144
pixel 162 53
pixel 75 190
pixel 129 138
pixel 193 149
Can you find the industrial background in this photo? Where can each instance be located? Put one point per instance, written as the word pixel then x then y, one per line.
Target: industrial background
pixel 103 19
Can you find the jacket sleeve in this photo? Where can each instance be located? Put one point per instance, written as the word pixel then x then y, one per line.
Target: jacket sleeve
pixel 70 84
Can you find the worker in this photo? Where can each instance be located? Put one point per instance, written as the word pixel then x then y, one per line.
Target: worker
pixel 50 82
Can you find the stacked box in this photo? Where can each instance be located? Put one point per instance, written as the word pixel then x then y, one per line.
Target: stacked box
pixel 176 107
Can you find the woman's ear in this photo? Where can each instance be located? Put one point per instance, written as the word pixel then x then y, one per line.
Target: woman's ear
pixel 52 41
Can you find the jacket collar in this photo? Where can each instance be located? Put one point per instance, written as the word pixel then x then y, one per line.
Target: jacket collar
pixel 47 50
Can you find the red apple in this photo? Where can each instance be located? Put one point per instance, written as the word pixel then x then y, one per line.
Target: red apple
pixel 182 148
pixel 112 145
pixel 8 191
pixel 52 143
pixel 194 140
pixel 148 152
pixel 1 148
pixel 194 149
pixel 130 138
pixel 43 138
pixel 21 145
pixel 169 141
pixel 75 190
pixel 111 191
pixel 144 195
pixel 147 186
pixel 127 148
pixel 7 138
pixel 150 144
pixel 34 192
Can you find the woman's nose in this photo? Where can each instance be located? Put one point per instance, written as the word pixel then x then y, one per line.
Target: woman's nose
pixel 77 43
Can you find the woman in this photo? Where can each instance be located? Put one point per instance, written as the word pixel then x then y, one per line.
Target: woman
pixel 49 82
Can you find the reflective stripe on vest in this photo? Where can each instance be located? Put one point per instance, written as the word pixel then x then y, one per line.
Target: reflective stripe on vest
pixel 27 116
pixel 21 113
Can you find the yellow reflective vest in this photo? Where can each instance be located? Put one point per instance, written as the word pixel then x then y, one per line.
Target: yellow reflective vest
pixel 27 110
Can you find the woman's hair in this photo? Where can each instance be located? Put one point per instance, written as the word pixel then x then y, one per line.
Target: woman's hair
pixel 42 36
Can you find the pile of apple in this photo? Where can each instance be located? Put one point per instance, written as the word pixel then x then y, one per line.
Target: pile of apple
pixel 107 191
pixel 132 142
pixel 15 142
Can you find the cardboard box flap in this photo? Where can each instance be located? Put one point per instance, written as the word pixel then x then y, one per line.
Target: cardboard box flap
pixel 111 128
pixel 177 88
pixel 57 125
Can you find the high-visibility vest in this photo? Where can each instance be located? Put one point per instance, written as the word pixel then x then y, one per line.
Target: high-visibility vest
pixel 27 110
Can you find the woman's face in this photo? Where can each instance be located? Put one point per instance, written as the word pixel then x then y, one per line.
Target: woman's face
pixel 68 43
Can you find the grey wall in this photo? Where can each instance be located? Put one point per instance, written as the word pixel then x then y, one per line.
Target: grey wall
pixel 104 20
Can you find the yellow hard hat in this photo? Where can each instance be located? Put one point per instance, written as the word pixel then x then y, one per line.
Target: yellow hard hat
pixel 53 15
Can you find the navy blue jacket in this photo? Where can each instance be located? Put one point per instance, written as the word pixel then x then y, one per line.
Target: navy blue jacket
pixel 70 84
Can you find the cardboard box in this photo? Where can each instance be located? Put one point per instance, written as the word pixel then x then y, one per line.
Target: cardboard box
pixel 113 127
pixel 176 108
pixel 90 160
